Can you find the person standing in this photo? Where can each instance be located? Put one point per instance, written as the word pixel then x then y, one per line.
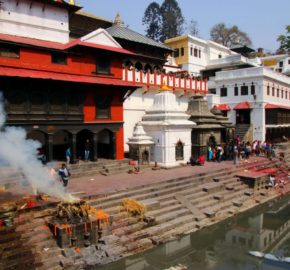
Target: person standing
pixel 87 150
pixel 68 156
pixel 64 174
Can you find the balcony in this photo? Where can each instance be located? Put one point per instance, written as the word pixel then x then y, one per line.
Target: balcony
pixel 187 84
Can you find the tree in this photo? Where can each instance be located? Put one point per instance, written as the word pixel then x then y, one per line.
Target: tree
pixel 153 19
pixel 229 36
pixel 284 41
pixel 172 18
pixel 192 28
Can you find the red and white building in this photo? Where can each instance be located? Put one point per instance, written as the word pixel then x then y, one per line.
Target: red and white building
pixel 64 91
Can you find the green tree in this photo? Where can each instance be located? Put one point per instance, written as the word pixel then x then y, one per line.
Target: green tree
pixel 229 36
pixel 153 20
pixel 172 18
pixel 284 41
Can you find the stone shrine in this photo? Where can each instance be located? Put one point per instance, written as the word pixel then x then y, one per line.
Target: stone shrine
pixel 170 129
pixel 208 129
pixel 140 145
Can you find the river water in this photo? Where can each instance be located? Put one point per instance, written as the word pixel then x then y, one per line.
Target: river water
pixel 224 246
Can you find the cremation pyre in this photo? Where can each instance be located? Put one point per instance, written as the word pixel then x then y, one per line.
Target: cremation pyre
pixel 78 224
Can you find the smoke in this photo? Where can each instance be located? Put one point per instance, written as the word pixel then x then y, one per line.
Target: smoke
pixel 20 155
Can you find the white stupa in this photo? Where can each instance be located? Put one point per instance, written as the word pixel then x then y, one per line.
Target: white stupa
pixel 170 129
pixel 140 145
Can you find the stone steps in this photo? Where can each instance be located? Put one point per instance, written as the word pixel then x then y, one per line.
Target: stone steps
pixel 153 190
pixel 173 217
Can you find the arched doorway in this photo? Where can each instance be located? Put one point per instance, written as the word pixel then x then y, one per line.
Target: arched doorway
pixel 82 138
pixel 61 141
pixel 41 137
pixel 179 151
pixel 105 144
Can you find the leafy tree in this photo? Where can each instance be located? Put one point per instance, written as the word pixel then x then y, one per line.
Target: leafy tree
pixel 153 19
pixel 172 19
pixel 229 36
pixel 192 28
pixel 284 41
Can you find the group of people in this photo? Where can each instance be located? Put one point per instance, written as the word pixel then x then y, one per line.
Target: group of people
pixel 68 154
pixel 236 150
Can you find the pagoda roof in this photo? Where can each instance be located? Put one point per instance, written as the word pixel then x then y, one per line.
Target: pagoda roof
pixel 125 33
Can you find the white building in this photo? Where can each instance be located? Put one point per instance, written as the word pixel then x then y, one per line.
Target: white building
pixel 279 63
pixel 42 19
pixel 255 98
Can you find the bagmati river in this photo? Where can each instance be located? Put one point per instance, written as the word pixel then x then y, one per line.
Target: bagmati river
pixel 224 246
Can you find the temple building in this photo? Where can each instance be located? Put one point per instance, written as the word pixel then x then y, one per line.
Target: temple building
pixel 65 78
pixel 61 92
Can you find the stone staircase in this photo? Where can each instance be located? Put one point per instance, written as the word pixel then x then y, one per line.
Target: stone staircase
pixel 175 207
pixel 102 166
pixel 242 130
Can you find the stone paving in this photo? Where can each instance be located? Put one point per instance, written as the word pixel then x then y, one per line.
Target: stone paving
pixel 99 184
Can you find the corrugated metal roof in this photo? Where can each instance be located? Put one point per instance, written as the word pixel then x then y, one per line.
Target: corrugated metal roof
pixel 128 34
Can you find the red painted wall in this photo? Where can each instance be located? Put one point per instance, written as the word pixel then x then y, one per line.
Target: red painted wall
pixel 82 64
pixel 120 144
pixel 116 105
pixel 116 113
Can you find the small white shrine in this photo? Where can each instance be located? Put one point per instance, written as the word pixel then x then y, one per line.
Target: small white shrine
pixel 170 129
pixel 140 145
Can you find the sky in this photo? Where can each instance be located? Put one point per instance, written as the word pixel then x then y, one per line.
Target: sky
pixel 263 20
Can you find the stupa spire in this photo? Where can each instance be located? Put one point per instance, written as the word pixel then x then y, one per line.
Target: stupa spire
pixel 118 20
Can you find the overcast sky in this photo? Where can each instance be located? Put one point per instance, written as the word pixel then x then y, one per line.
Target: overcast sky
pixel 263 20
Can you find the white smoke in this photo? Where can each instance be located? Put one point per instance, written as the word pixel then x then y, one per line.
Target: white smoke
pixel 20 155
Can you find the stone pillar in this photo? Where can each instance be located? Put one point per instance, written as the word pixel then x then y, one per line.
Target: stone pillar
pixel 95 147
pixel 74 147
pixel 50 147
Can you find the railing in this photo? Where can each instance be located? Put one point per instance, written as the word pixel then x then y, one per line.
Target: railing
pixel 188 84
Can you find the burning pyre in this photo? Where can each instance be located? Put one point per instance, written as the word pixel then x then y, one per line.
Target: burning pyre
pixel 77 223
pixel 75 212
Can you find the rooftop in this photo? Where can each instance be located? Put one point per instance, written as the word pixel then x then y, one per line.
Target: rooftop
pixel 125 33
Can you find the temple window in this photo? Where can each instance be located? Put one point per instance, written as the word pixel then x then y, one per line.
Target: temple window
pixel 58 58
pixel 273 91
pixel 236 90
pixel 253 89
pixel 199 53
pixel 268 90
pixel 103 66
pixel 195 52
pixel 179 151
pixel 224 92
pixel 244 90
pixel 278 92
pixel 103 107
pixel 176 52
pixel 191 51
pixel 9 52
pixel 182 51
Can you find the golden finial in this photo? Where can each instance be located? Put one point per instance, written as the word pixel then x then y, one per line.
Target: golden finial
pixel 164 86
